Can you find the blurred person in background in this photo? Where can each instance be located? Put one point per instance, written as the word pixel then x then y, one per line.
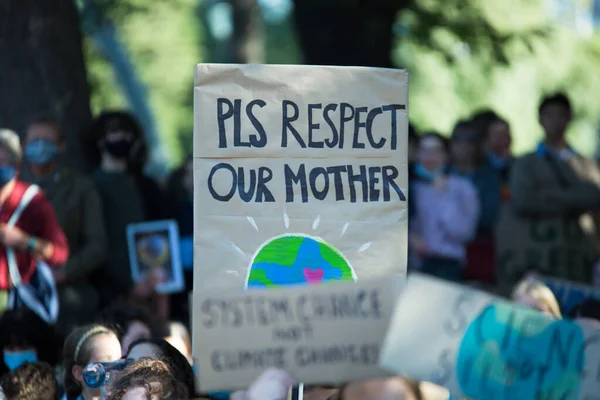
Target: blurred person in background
pixel 125 200
pixel 413 147
pixel 445 212
pixel 37 234
pixel 181 190
pixel 534 294
pixel 147 379
pixel 498 141
pixel 469 162
pixel 179 337
pixel 31 381
pixel 558 184
pixel 130 323
pixel 79 211
pixel 161 349
pixel 91 343
pixel 25 337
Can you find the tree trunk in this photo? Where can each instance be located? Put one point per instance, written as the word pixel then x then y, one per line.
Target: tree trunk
pixel 347 32
pixel 247 44
pixel 42 72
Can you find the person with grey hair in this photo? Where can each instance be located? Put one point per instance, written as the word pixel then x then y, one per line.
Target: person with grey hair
pixel 29 230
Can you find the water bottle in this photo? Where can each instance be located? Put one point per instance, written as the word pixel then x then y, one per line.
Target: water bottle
pixel 98 374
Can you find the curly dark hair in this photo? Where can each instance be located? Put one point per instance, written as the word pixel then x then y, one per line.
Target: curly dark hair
pixel 31 381
pixel 154 375
pixel 178 364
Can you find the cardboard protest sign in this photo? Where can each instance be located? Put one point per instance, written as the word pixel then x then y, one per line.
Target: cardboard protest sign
pixel 300 174
pixel 483 347
pixel 569 294
pixel 323 334
pixel 553 246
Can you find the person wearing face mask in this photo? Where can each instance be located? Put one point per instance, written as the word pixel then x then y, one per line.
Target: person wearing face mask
pixel 36 234
pixel 25 337
pixel 79 212
pixel 119 140
pixel 444 213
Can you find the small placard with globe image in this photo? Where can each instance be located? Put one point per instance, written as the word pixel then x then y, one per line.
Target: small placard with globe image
pixel 154 254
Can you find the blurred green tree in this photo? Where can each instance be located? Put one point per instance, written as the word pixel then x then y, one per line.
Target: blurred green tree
pixel 163 41
pixel 521 55
pixel 42 72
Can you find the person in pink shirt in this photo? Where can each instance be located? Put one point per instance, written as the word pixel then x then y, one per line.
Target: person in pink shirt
pixel 443 212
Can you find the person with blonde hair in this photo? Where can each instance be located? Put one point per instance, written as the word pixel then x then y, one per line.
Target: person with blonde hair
pixel 532 293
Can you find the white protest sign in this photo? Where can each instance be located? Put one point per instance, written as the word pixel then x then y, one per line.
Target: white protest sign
pixel 483 347
pixel 300 174
pixel 323 334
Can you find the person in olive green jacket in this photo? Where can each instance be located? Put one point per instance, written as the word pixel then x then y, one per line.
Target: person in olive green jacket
pixel 79 211
pixel 552 224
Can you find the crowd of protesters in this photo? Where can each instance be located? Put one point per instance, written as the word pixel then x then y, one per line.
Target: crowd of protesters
pixel 459 191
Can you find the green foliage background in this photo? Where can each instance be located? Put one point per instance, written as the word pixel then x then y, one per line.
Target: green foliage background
pixel 462 55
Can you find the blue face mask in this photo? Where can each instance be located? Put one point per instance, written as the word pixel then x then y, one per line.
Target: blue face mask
pixel 425 174
pixel 7 172
pixel 14 359
pixel 41 151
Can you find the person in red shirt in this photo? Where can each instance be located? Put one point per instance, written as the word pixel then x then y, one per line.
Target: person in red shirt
pixel 36 234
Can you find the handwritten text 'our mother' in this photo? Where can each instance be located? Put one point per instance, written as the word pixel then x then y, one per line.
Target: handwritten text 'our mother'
pixel 330 126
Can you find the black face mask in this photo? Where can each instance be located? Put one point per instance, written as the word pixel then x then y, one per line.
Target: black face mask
pixel 120 149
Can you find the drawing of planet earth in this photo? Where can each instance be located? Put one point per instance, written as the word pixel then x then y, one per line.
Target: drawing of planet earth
pixel 297 259
pixel 154 249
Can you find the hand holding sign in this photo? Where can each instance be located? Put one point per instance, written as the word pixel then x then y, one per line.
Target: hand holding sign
pixel 273 384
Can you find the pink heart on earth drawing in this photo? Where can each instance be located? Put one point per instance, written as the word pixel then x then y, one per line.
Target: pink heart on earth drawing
pixel 313 276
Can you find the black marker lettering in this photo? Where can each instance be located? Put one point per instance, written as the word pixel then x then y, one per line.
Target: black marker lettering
pixel 370 118
pixel 374 180
pixel 211 188
pixel 207 309
pixel 359 178
pixel 343 119
pixel 390 173
pixel 246 195
pixel 287 124
pixel 237 125
pixel 259 140
pixel 314 174
pixel 291 179
pixel 358 124
pixel 393 108
pixel 312 125
pixel 334 132
pixel 223 116
pixel 337 181
pixel 263 194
